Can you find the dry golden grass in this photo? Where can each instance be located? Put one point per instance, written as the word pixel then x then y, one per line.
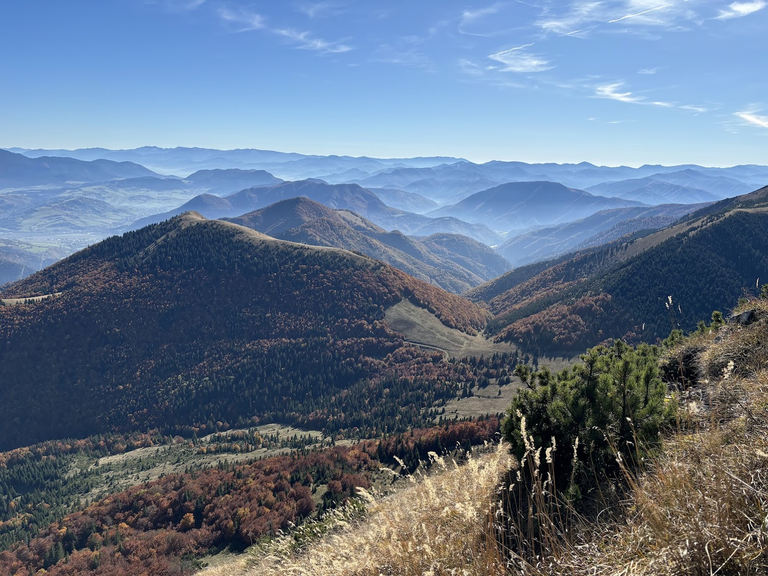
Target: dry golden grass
pixel 701 508
pixel 437 526
pixel 745 346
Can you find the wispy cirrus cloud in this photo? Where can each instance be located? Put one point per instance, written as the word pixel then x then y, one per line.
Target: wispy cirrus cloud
pixel 178 5
pixel 243 20
pixel 520 60
pixel 247 21
pixel 468 16
pixel 576 19
pixel 305 41
pixel 582 16
pixel 640 14
pixel 472 68
pixel 404 56
pixel 648 71
pixel 484 22
pixel 192 4
pixel 696 108
pixel 611 122
pixel 753 118
pixel 612 92
pixel 741 9
pixel 488 75
pixel 321 9
pixel 406 51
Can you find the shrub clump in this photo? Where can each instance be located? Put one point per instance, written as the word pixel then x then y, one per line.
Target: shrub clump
pixel 607 410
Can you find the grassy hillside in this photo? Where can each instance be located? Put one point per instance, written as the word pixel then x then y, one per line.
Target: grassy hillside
pixel 190 323
pixel 435 525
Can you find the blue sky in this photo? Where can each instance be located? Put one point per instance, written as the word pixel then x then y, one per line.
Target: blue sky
pixel 607 81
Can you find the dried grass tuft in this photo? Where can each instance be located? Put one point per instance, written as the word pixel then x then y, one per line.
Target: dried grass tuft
pixel 701 508
pixel 438 526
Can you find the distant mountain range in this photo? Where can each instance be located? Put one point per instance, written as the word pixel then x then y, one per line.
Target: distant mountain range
pixel 450 183
pixel 444 183
pixel 406 201
pixel 338 196
pixel 714 182
pixel 527 212
pixel 653 192
pixel 599 228
pixel 103 206
pixel 443 179
pixel 220 181
pixel 453 262
pixel 183 161
pixel 683 187
pixel 521 205
pixel 17 170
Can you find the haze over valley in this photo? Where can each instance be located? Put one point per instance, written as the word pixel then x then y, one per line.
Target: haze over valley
pixel 54 203
pixel 342 288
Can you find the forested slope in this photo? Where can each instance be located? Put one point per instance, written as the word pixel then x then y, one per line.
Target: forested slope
pixel 190 322
pixel 638 287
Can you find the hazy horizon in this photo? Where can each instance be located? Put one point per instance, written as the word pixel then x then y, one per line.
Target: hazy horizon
pixel 638 164
pixel 616 82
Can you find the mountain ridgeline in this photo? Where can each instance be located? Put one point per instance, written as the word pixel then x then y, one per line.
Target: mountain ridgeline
pixel 600 228
pixel 17 170
pixel 453 262
pixel 338 196
pixel 191 322
pixel 520 205
pixel 637 288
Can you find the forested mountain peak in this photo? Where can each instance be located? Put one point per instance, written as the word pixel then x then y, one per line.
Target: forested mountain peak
pixel 192 321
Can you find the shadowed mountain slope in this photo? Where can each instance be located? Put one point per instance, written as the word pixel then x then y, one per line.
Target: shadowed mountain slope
pixel 192 321
pixel 636 288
